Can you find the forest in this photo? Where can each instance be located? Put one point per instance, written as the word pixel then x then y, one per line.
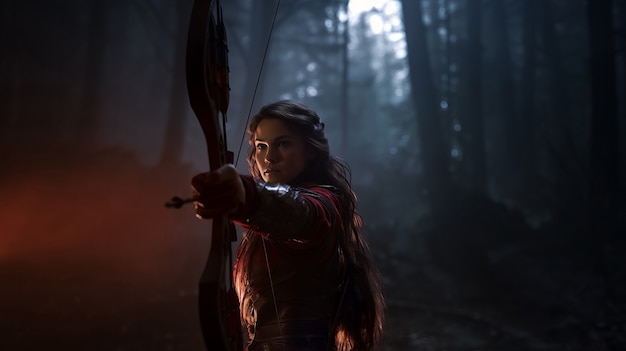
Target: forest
pixel 485 139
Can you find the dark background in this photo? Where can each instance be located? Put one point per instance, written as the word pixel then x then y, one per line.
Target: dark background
pixel 485 139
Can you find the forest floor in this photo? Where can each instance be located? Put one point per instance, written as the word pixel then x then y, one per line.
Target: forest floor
pixel 91 260
pixel 484 280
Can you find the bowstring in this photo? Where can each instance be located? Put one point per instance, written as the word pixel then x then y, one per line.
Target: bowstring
pixel 269 273
pixel 256 88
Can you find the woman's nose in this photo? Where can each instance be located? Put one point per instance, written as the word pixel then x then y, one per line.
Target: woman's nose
pixel 272 155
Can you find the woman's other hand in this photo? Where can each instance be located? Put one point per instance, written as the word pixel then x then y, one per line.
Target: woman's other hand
pixel 220 192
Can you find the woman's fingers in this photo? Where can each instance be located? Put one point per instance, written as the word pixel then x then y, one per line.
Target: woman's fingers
pixel 219 192
pixel 202 182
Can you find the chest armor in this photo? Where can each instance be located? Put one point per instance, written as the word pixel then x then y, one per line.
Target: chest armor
pixel 305 285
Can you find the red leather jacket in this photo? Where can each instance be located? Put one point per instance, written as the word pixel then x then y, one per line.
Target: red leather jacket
pixel 289 272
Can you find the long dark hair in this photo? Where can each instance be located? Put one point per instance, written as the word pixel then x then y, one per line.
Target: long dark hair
pixel 360 322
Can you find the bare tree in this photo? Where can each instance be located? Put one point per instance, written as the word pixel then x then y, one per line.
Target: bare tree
pixel 258 51
pixel 503 70
pixel 9 71
pixel 604 146
pixel 475 143
pixel 89 118
pixel 345 81
pixel 527 131
pixel 424 94
pixel 604 138
pixel 174 138
pixel 568 187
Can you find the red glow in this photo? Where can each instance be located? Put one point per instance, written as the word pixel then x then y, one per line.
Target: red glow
pixel 101 215
pixel 91 258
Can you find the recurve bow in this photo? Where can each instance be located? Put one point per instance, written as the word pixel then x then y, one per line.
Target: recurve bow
pixel 208 88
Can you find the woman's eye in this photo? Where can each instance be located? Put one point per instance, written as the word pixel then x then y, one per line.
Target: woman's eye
pixel 284 144
pixel 261 146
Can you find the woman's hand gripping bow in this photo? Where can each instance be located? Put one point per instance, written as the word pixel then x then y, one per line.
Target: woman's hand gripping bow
pixel 217 193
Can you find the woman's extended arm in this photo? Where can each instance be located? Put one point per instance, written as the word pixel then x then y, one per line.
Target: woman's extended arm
pixel 283 212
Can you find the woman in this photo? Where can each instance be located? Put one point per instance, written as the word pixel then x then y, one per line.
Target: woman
pixel 304 276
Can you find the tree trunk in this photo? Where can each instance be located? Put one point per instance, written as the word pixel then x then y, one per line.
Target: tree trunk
pixel 527 131
pixel 505 102
pixel 604 178
pixel 604 155
pixel 258 55
pixel 345 85
pixel 474 128
pixel 568 186
pixel 621 88
pixel 174 139
pixel 90 109
pixel 9 74
pixel 424 93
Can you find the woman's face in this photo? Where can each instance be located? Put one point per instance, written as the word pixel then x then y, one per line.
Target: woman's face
pixel 280 154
